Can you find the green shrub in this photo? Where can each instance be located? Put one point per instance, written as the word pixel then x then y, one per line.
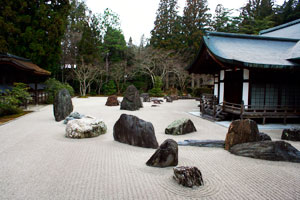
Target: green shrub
pixel 12 99
pixel 53 86
pixel 93 93
pixel 156 91
pixel 109 88
pixel 197 92
pixel 6 109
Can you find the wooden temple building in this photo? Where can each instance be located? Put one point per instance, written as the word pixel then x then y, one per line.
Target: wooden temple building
pixel 255 76
pixel 17 69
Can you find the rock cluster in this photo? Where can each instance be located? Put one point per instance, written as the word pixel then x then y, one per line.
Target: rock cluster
pixel 166 155
pixel 291 134
pixel 131 130
pixel 188 176
pixel 267 150
pixel 180 127
pixel 131 100
pixel 86 127
pixel 62 105
pixel 112 101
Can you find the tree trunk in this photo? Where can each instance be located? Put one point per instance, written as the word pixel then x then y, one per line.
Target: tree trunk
pixel 193 81
pixel 106 66
pixel 167 81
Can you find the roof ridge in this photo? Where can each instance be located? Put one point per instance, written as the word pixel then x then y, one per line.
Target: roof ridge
pixel 280 27
pixel 14 56
pixel 246 36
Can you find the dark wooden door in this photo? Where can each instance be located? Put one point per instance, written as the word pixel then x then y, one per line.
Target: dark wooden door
pixel 233 86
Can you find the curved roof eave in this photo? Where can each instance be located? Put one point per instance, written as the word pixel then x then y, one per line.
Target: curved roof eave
pixel 244 64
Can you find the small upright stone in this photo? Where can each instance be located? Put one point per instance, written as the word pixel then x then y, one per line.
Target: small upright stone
pixel 180 127
pixel 291 134
pixel 188 176
pixel 112 101
pixel 145 97
pixel 62 105
pixel 241 131
pixel 169 99
pixel 174 97
pixel 131 100
pixel 166 155
pixel 263 137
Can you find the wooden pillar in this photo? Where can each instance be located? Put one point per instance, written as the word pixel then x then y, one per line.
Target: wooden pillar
pixel 193 81
pixel 221 91
pixel 198 81
pixel 167 81
pixel 216 85
pixel 245 93
pixel 36 92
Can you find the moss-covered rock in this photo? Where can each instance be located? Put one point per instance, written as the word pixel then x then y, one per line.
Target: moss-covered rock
pixel 180 127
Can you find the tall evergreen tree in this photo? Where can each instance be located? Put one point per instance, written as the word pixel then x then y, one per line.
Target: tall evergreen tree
pixel 196 20
pixel 289 11
pixel 223 21
pixel 34 29
pixel 166 25
pixel 257 15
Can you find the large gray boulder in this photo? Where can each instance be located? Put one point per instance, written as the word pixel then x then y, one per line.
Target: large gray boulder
pixel 166 155
pixel 62 105
pixel 267 150
pixel 131 100
pixel 86 127
pixel 188 176
pixel 180 127
pixel 131 130
pixel 292 134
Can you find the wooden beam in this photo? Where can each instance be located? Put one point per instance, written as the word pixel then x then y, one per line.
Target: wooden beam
pixel 215 59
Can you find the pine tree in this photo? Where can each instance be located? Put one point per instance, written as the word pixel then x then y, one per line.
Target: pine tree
pixel 257 15
pixel 195 21
pixel 166 25
pixel 34 30
pixel 289 11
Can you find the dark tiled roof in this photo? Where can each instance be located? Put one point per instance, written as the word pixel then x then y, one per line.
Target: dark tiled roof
pixel 288 30
pixel 23 64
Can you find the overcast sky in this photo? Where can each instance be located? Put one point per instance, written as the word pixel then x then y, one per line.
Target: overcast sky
pixel 138 16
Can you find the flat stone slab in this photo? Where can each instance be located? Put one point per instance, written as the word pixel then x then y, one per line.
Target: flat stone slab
pixel 203 143
pixel 267 150
pixel 72 116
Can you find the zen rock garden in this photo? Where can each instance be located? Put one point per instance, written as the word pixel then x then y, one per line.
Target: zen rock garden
pixel 242 139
